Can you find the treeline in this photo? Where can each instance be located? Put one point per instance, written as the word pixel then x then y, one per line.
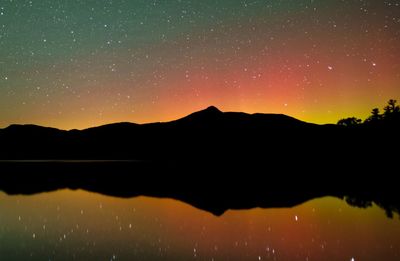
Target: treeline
pixel 390 116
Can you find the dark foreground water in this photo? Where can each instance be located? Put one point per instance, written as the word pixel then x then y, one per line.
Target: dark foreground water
pixel 77 225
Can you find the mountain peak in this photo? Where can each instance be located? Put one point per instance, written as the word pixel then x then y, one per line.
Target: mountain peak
pixel 212 109
pixel 210 112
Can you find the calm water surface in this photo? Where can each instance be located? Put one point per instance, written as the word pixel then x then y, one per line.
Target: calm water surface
pixel 77 225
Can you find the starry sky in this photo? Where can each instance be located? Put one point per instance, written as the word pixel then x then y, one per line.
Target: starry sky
pixel 75 64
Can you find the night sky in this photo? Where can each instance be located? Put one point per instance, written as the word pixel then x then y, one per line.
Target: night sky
pixel 74 64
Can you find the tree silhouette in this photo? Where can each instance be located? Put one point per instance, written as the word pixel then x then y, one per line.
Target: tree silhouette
pixel 376 116
pixel 391 108
pixel 352 121
pixel 390 116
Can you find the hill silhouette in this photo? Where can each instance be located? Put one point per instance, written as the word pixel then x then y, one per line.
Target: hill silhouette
pixel 211 159
pixel 201 133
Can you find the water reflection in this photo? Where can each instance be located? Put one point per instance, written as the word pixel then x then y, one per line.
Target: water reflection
pixel 77 225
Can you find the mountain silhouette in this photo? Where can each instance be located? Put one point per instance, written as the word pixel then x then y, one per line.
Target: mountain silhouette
pixel 202 131
pixel 211 159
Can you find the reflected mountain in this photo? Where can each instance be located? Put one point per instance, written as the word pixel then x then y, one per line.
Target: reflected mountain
pixel 210 159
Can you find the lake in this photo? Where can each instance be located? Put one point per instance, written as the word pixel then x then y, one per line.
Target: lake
pixel 78 225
